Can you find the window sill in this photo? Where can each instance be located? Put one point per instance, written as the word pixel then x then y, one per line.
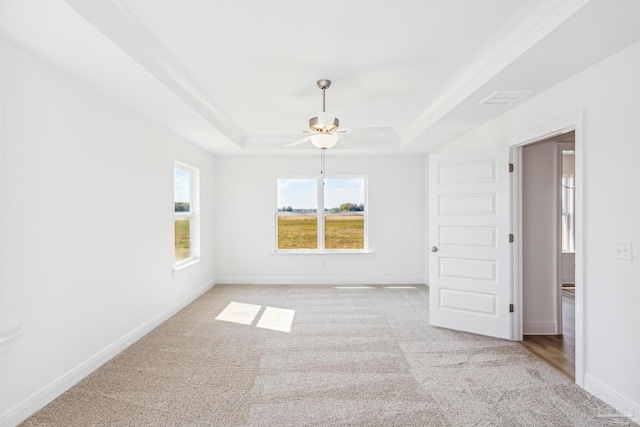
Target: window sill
pixel 186 265
pixel 302 253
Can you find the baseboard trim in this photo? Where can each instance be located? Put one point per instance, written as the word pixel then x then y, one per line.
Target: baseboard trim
pixel 620 403
pixel 320 280
pixel 539 328
pixel 18 413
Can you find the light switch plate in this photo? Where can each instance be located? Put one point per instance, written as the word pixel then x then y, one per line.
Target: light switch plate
pixel 623 250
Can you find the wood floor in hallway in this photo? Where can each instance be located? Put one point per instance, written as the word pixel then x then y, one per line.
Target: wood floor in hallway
pixel 558 350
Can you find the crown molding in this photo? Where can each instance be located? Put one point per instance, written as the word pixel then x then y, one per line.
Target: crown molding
pixel 118 24
pixel 531 24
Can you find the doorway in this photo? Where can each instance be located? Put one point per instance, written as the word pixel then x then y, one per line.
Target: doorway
pixel 548 249
pixel 456 190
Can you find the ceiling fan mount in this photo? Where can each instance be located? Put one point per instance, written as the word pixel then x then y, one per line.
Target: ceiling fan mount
pixel 324 84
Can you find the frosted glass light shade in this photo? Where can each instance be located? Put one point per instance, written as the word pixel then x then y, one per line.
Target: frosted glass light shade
pixel 324 140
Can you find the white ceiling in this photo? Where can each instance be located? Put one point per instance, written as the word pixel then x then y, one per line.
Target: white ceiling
pixel 240 77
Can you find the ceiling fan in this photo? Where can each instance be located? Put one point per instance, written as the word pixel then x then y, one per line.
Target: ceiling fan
pixel 324 128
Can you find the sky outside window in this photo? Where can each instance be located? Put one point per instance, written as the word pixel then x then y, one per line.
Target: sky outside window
pixel 338 191
pixel 181 179
pixel 301 193
pixel 298 193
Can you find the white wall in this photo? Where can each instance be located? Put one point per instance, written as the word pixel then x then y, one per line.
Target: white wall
pixel 609 95
pixel 540 232
pixel 568 269
pixel 86 231
pixel 245 239
pixel 426 219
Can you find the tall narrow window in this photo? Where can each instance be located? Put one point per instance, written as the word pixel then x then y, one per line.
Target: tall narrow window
pixel 318 215
pixel 344 213
pixel 186 213
pixel 568 187
pixel 297 217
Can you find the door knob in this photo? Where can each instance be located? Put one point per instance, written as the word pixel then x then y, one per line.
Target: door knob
pixel 434 249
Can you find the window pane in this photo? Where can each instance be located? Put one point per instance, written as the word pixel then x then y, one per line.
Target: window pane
pixel 299 195
pixel 297 232
pixel 182 190
pixel 344 231
pixel 182 238
pixel 568 213
pixel 344 195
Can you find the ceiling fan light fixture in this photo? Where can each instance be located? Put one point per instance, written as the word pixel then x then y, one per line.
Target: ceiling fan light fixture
pixel 324 140
pixel 325 128
pixel 325 122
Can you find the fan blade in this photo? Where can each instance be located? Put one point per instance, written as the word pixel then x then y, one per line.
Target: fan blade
pixel 272 130
pixel 282 131
pixel 347 142
pixel 299 141
pixel 369 131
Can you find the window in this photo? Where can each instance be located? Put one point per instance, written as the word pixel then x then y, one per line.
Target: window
pixel 568 186
pixel 186 213
pixel 568 212
pixel 321 216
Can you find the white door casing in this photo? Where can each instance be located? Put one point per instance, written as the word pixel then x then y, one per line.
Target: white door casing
pixel 470 281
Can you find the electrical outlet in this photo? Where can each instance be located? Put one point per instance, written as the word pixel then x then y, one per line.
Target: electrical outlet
pixel 623 250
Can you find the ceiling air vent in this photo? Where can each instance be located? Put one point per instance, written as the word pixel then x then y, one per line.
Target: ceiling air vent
pixel 505 97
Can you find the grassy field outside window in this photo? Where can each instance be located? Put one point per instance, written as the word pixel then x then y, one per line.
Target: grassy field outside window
pixel 297 232
pixel 344 232
pixel 182 235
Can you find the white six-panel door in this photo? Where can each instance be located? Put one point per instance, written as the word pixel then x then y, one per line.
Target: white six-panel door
pixel 469 250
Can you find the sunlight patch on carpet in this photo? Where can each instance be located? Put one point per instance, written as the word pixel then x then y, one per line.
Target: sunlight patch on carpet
pixel 276 319
pixel 238 312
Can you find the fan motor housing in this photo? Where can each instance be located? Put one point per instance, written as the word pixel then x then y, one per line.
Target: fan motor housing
pixel 313 125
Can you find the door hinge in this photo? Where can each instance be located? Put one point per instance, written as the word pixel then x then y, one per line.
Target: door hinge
pixel 510 238
pixel 510 167
pixel 510 308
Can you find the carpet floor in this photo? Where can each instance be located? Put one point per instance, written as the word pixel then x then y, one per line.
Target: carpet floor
pixel 321 356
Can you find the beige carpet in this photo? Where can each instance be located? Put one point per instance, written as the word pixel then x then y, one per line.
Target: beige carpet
pixel 353 357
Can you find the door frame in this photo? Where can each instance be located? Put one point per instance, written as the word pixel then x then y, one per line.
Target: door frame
pixel 572 122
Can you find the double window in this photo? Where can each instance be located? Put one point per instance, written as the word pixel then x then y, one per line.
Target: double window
pixel 186 213
pixel 321 215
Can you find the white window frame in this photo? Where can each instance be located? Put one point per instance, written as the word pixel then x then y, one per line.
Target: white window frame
pixel 193 214
pixel 320 215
